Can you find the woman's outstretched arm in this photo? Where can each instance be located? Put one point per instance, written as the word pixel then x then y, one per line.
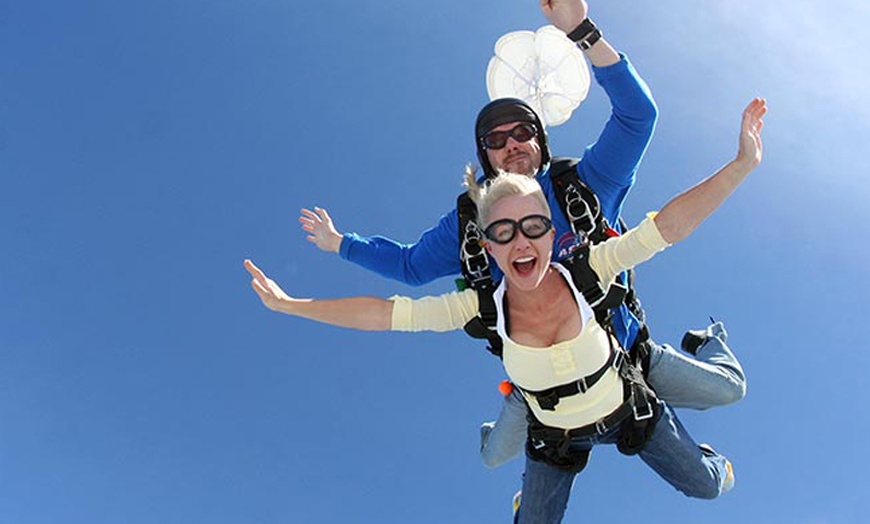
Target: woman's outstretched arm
pixel 686 211
pixel 365 313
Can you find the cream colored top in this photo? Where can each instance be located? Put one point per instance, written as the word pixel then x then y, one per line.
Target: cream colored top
pixel 542 368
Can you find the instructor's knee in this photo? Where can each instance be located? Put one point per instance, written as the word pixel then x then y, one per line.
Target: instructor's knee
pixel 735 391
pixel 490 460
pixel 727 391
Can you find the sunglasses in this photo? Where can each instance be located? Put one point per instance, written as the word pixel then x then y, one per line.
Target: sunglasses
pixel 504 230
pixel 498 139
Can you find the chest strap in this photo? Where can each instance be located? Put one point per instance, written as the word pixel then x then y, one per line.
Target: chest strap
pixel 548 399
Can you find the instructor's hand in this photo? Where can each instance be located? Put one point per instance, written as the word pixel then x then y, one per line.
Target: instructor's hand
pixel 321 231
pixel 565 14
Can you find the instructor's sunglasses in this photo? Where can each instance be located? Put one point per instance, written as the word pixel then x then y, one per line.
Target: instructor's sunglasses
pixel 504 230
pixel 498 139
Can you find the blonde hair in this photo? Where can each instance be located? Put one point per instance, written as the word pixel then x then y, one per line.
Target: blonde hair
pixel 504 184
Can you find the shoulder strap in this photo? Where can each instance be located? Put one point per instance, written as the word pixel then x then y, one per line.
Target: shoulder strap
pixel 476 273
pixel 581 207
pixel 475 263
pixel 602 299
pixel 578 202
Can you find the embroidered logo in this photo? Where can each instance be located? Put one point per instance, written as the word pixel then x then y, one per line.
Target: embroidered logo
pixel 566 244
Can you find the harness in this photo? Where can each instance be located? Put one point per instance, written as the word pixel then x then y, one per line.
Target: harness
pixel 637 415
pixel 476 274
pixel 634 419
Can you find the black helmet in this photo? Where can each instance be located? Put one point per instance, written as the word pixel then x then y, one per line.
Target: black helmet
pixel 502 111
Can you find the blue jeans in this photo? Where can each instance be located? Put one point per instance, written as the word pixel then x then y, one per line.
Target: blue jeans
pixel 712 378
pixel 670 451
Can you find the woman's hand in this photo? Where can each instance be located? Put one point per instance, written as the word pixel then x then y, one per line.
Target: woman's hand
pixel 683 213
pixel 750 151
pixel 366 313
pixel 270 293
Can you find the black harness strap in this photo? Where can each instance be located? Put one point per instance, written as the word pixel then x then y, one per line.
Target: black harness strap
pixel 475 263
pixel 637 415
pixel 542 435
pixel 636 430
pixel 579 203
pixel 601 299
pixel 548 399
pixel 582 209
pixel 640 350
pixel 475 269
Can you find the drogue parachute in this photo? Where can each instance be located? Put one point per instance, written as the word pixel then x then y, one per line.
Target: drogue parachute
pixel 544 68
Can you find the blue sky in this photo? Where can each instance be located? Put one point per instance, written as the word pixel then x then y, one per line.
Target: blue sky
pixel 147 148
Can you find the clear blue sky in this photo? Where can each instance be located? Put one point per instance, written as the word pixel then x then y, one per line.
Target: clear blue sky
pixel 147 148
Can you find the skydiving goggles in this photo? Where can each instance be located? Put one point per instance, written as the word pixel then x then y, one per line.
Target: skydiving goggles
pixel 498 139
pixel 504 230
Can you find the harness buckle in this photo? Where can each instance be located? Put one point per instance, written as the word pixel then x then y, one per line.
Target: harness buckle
pixel 618 360
pixel 473 256
pixel 578 212
pixel 643 416
pixel 600 427
pixel 477 269
pixel 474 235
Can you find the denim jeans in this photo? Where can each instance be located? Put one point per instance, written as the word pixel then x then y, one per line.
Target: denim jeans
pixel 670 451
pixel 712 378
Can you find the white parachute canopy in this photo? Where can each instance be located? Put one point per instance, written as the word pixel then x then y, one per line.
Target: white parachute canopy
pixel 544 68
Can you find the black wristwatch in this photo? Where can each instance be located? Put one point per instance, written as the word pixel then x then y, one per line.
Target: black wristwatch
pixel 585 35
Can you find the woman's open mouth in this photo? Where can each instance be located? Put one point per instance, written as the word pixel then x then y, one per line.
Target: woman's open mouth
pixel 525 265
